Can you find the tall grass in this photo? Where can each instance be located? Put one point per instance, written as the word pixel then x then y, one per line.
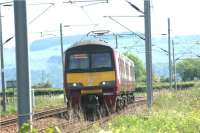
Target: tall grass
pixel 39 103
pixel 172 112
pixel 48 101
pixel 183 101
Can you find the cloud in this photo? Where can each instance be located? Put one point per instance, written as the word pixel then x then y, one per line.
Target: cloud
pixel 46 17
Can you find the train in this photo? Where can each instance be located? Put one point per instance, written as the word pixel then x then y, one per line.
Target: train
pixel 98 80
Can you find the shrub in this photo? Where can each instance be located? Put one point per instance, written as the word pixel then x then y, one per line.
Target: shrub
pixel 173 112
pixel 141 87
pixel 26 129
pixel 46 84
pixel 159 122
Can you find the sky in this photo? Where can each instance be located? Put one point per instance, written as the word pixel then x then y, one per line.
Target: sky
pixel 45 17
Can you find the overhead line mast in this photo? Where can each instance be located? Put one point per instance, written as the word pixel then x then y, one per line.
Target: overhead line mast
pixel 22 62
pixel 148 49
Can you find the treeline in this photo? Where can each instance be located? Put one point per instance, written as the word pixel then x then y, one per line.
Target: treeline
pixel 140 87
pixel 38 92
pixel 187 69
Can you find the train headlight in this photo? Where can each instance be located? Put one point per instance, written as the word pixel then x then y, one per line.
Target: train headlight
pixel 107 84
pixel 74 85
pixel 103 83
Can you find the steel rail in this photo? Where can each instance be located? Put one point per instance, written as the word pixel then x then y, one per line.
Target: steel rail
pixel 57 111
pixel 36 116
pixel 76 126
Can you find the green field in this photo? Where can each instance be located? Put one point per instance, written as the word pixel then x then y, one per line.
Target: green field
pixel 40 103
pixel 172 112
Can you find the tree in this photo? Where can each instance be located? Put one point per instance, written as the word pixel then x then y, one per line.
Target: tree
pixel 46 84
pixel 189 69
pixel 156 78
pixel 139 67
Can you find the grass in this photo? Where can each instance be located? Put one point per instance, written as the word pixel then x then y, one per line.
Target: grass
pixel 172 112
pixel 41 102
pixel 49 101
pixel 157 122
pixel 140 94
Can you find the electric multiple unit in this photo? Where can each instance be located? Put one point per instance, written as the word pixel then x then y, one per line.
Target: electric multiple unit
pixel 97 76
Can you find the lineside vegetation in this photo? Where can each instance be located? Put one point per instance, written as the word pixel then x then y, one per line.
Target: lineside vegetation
pixel 173 112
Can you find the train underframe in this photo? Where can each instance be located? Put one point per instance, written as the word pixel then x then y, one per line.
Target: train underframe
pixel 95 106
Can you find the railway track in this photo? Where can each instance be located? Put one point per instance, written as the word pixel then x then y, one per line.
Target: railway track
pixel 73 125
pixel 8 122
pixel 36 116
pixel 140 101
pixel 76 126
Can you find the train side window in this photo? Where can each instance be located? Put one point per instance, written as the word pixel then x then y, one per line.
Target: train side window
pixel 123 70
pixel 119 66
pixel 132 73
pixel 129 72
pixel 126 71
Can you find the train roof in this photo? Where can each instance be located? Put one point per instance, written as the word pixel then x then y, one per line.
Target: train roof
pixel 98 42
pixel 89 42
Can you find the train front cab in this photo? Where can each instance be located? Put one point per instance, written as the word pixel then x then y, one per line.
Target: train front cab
pixel 90 76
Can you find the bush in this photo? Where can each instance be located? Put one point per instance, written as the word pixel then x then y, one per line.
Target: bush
pixel 157 122
pixel 141 87
pixel 46 84
pixel 39 92
pixel 26 129
pixel 172 112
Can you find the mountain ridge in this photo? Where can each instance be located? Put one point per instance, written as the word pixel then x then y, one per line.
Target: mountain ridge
pixel 45 55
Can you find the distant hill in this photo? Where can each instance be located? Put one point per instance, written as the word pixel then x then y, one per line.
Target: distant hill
pixel 54 59
pixel 54 42
pixel 45 55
